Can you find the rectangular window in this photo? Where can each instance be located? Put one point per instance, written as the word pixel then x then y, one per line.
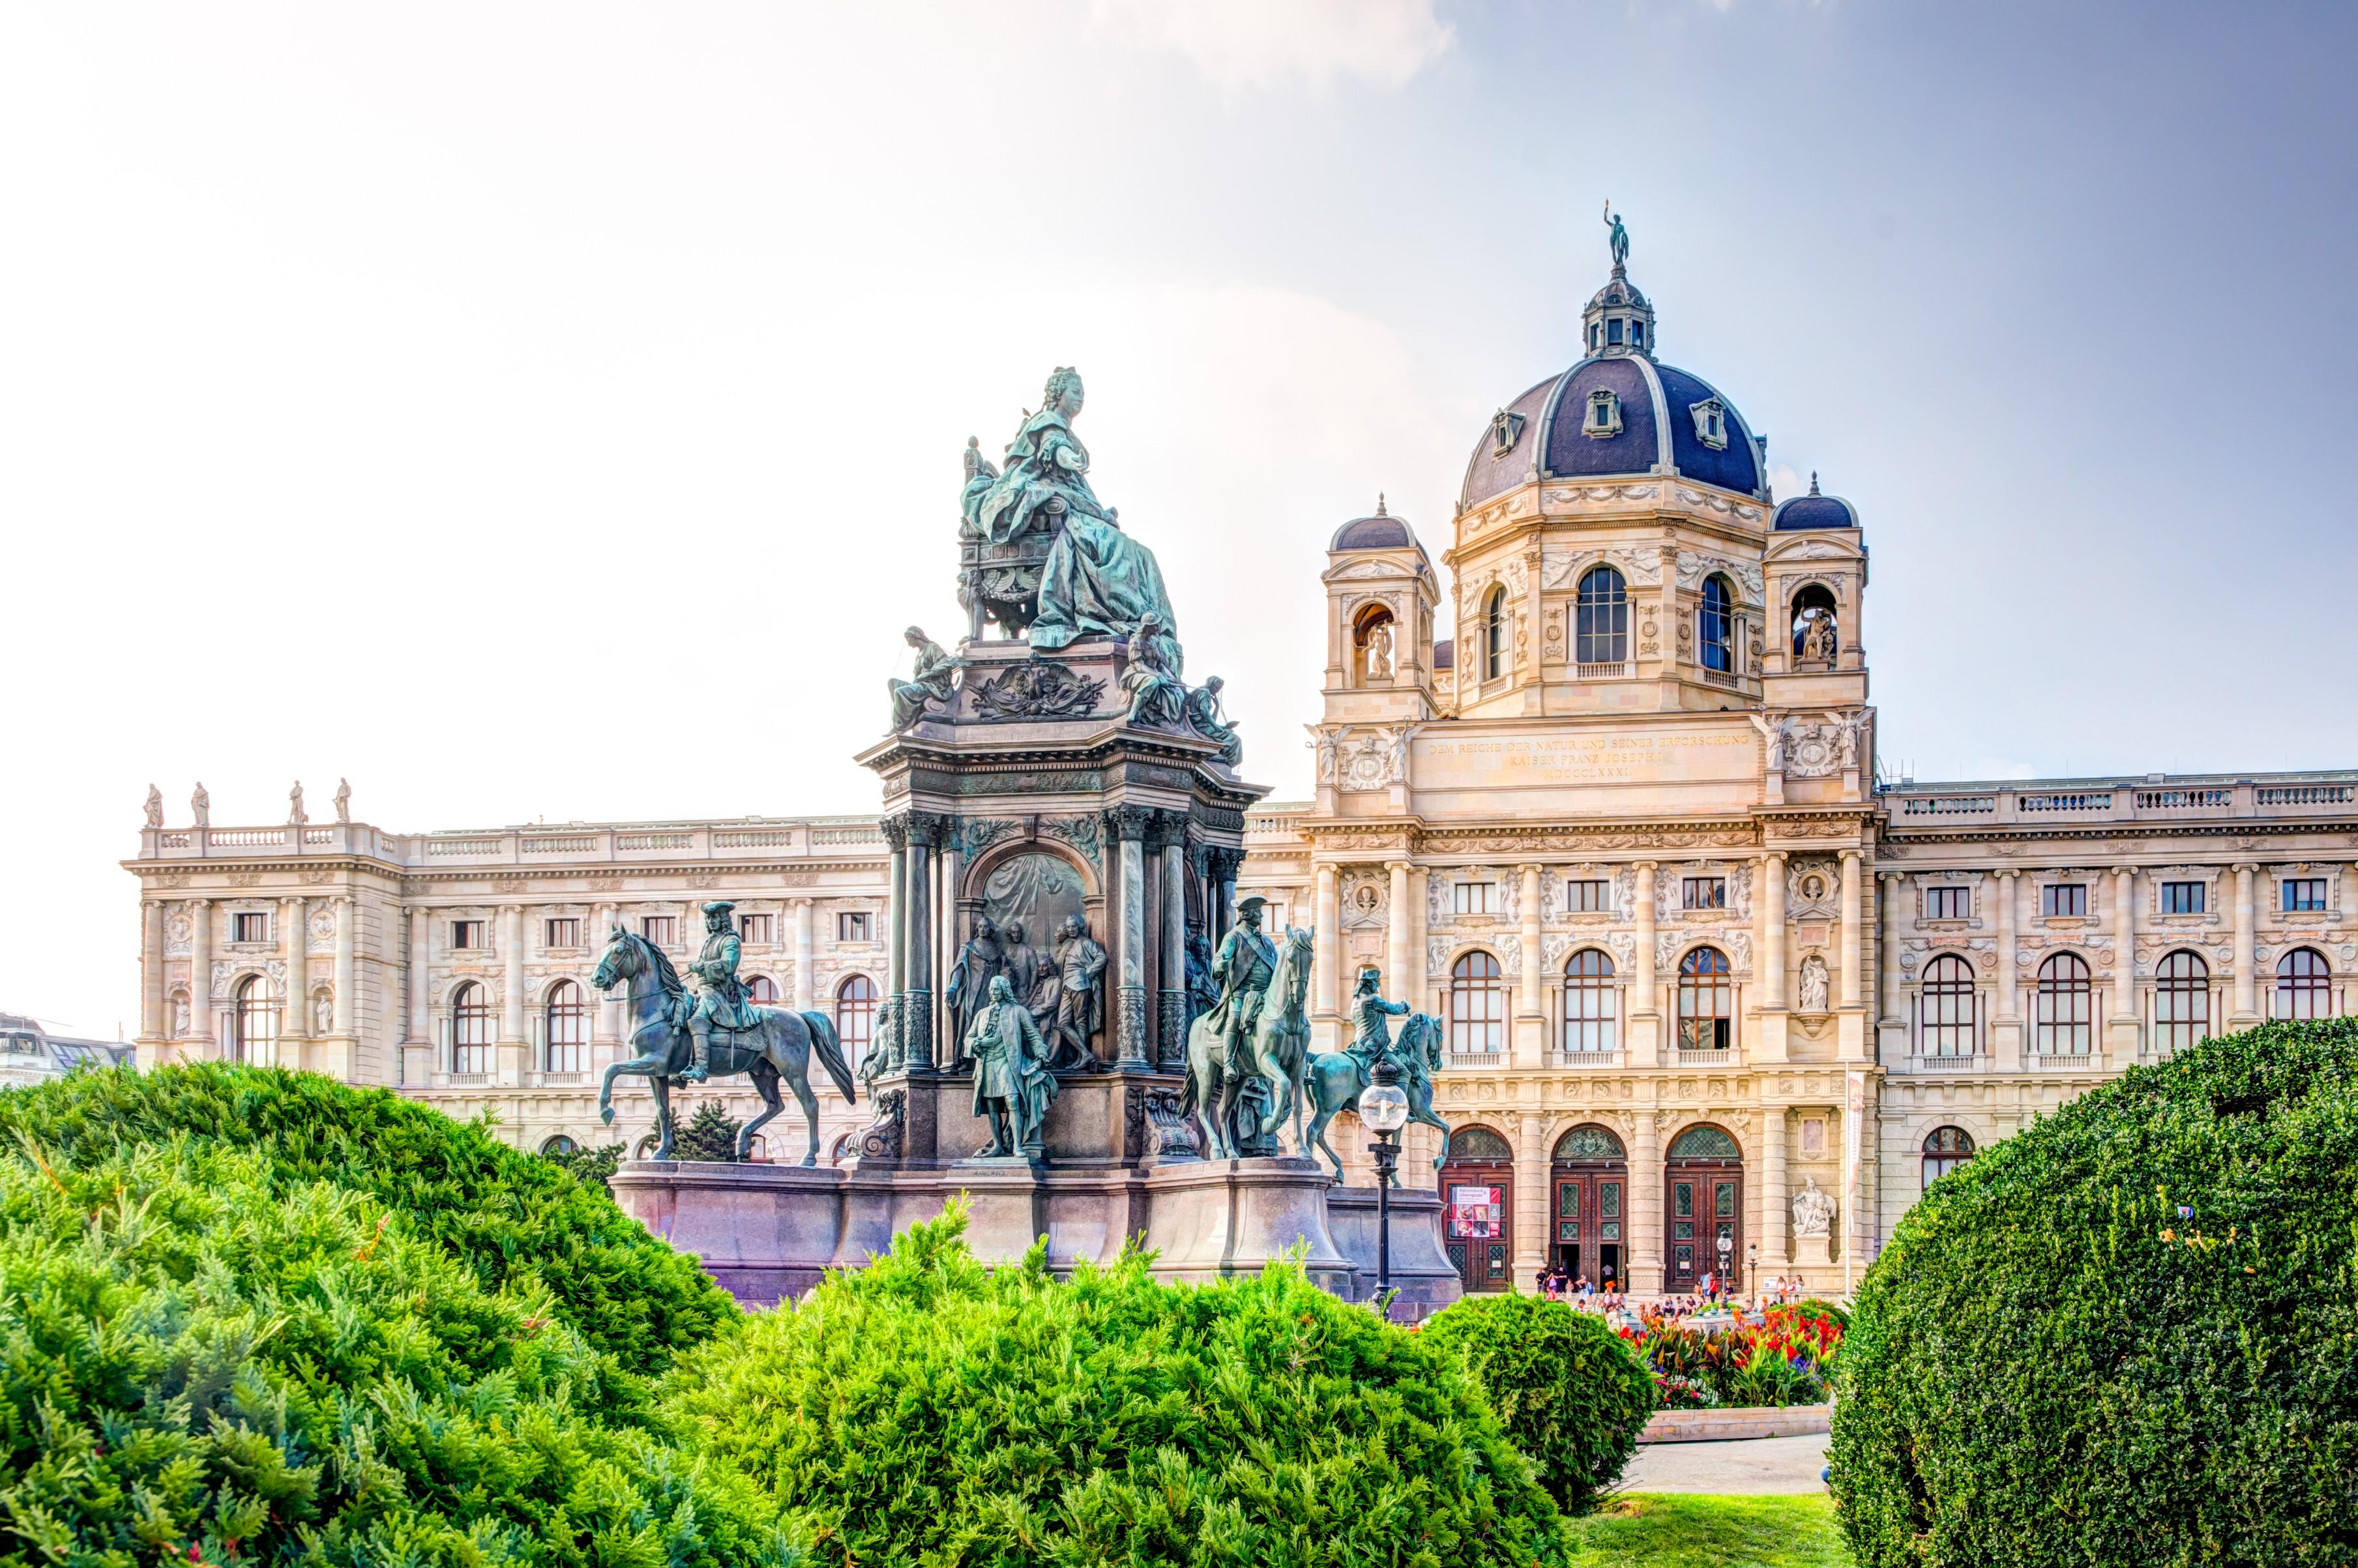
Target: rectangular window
pixel 852 925
pixel 2183 898
pixel 756 928
pixel 1473 898
pixel 1638 333
pixel 566 932
pixel 2304 893
pixel 1707 893
pixel 1947 904
pixel 249 928
pixel 663 930
pixel 1722 1199
pixel 1584 898
pixel 1682 1200
pixel 2064 898
pixel 466 935
pixel 1612 332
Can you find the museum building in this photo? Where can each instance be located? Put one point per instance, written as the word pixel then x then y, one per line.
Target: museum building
pixel 1717 998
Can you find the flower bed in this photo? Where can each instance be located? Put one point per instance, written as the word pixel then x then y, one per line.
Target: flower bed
pixel 1786 1360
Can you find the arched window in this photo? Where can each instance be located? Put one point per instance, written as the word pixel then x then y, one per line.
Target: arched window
pixel 568 1029
pixel 253 1023
pixel 472 1039
pixel 1705 1141
pixel 2065 1007
pixel 1945 1149
pixel 763 989
pixel 1494 635
pixel 1948 1007
pixel 557 1143
pixel 1715 625
pixel 1601 618
pixel 1478 1006
pixel 1706 1010
pixel 2181 999
pixel 1478 1146
pixel 1816 632
pixel 1588 1142
pixel 2304 984
pixel 1373 648
pixel 855 1016
pixel 1589 1002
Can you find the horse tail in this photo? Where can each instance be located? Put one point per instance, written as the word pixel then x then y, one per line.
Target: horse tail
pixel 829 1052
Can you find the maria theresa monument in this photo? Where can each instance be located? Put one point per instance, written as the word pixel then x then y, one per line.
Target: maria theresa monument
pixel 1684 982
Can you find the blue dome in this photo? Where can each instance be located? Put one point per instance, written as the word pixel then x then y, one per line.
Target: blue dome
pixel 1654 418
pixel 1815 511
pixel 1381 532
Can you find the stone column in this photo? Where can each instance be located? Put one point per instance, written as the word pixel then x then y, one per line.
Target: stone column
pixel 1533 1203
pixel 1530 931
pixel 1646 1032
pixel 1398 984
pixel 1416 984
pixel 1644 1253
pixel 1773 1198
pixel 2123 1020
pixel 200 979
pixel 1853 936
pixel 347 941
pixel 1327 958
pixel 2246 1012
pixel 916 946
pixel 153 1025
pixel 895 830
pixel 805 991
pixel 512 1049
pixel 295 1007
pixel 1129 822
pixel 1772 930
pixel 1895 1001
pixel 421 990
pixel 949 871
pixel 1171 944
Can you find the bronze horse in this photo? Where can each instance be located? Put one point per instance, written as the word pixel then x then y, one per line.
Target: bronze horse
pixel 1338 1077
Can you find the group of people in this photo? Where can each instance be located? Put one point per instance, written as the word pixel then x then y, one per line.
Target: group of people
pixel 1062 986
pixel 1712 1293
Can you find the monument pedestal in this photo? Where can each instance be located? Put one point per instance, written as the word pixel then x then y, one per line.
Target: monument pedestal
pixel 764 1233
pixel 1420 1270
pixel 1814 1251
pixel 1215 1219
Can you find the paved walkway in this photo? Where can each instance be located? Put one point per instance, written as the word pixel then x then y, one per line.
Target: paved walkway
pixel 1758 1465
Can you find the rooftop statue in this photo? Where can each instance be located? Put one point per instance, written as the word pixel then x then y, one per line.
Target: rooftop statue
pixel 1619 240
pixel 1092 578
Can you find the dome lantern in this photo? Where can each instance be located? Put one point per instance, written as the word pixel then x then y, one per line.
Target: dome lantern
pixel 1618 320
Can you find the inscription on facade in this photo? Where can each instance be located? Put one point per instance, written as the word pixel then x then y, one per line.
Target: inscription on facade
pixel 1485 761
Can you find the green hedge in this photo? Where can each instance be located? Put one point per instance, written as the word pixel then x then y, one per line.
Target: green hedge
pixel 510 1216
pixel 1570 1390
pixel 2128 1335
pixel 927 1411
pixel 202 1362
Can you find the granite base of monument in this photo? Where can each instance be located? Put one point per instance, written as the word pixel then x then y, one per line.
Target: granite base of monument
pixel 1420 1271
pixel 1215 1220
pixel 764 1233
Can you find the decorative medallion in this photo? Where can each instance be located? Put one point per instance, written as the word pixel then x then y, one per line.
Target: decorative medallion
pixel 1037 689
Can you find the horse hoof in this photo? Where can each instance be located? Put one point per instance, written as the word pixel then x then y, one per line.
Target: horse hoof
pixel 606 1114
pixel 810 1159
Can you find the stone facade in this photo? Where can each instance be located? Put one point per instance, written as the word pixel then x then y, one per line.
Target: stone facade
pixel 381 932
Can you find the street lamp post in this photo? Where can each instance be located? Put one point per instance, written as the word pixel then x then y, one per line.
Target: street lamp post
pixel 1752 1266
pixel 1383 1108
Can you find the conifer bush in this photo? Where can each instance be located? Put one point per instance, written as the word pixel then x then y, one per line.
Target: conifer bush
pixel 2128 1334
pixel 1569 1391
pixel 925 1410
pixel 204 1363
pixel 510 1216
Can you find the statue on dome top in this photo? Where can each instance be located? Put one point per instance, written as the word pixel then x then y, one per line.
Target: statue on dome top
pixel 1619 240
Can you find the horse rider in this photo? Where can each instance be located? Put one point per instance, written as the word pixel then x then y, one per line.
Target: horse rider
pixel 1373 1013
pixel 721 998
pixel 1246 963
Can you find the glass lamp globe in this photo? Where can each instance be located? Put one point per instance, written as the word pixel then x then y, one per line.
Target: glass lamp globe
pixel 1383 1108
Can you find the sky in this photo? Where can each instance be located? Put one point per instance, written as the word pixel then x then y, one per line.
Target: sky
pixel 554 412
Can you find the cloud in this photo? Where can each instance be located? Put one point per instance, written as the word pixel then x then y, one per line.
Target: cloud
pixel 1264 43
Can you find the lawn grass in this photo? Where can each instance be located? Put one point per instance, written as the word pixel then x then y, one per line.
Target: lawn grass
pixel 1663 1529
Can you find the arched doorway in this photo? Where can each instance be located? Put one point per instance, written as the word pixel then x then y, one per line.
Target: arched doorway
pixel 1702 1208
pixel 1591 1177
pixel 1477 1188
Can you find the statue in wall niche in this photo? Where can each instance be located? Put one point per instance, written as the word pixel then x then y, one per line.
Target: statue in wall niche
pixel 1815 637
pixel 296 816
pixel 343 800
pixel 1203 991
pixel 200 805
pixel 969 980
pixel 1814 984
pixel 1206 717
pixel 179 1015
pixel 1013 1086
pixel 1157 698
pixel 1080 995
pixel 155 806
pixel 1380 650
pixel 322 1014
pixel 928 683
pixel 1096 581
pixel 1813 1209
pixel 1019 962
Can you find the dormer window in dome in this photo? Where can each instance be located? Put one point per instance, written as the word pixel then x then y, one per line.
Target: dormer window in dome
pixel 1604 414
pixel 1711 422
pixel 1506 429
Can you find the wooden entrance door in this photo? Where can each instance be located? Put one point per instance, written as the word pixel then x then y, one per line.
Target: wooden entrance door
pixel 1703 1213
pixel 1478 1224
pixel 1591 1219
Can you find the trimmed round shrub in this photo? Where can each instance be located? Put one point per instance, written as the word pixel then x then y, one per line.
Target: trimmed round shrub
pixel 927 1410
pixel 2129 1334
pixel 510 1216
pixel 1568 1388
pixel 201 1363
